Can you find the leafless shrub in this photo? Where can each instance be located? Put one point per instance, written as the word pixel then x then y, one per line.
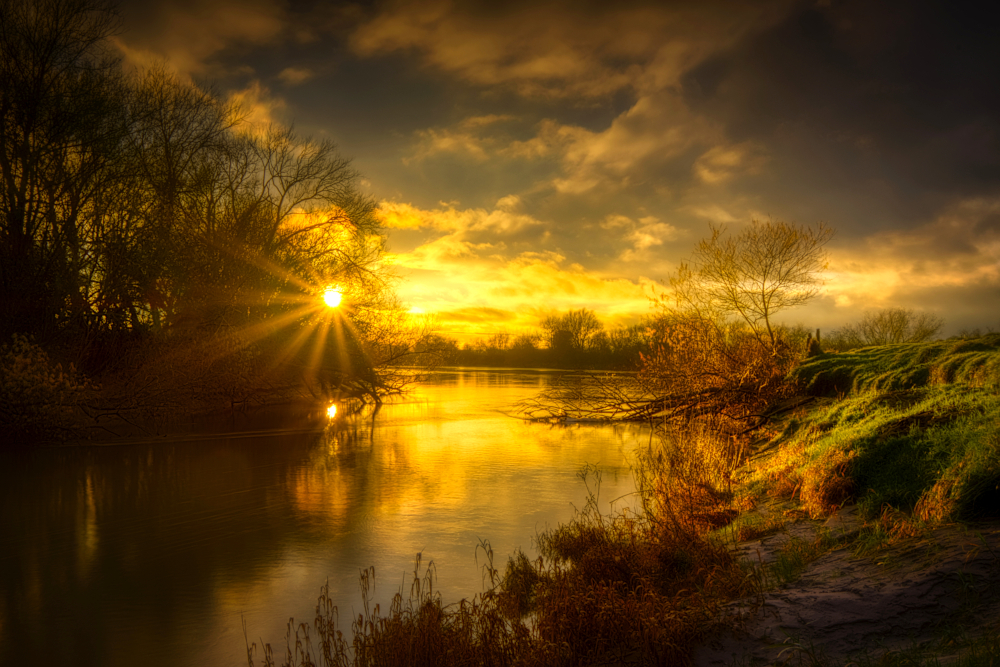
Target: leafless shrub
pixel 888 326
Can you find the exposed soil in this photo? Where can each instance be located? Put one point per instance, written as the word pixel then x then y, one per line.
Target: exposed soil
pixel 919 591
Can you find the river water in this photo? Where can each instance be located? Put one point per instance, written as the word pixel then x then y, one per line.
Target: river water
pixel 157 551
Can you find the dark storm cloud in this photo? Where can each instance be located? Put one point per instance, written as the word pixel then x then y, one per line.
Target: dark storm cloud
pixel 892 103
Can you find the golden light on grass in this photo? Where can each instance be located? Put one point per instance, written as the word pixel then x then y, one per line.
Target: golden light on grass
pixel 331 411
pixel 332 297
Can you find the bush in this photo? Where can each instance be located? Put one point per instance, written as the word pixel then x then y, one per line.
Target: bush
pixel 707 366
pixel 889 326
pixel 39 400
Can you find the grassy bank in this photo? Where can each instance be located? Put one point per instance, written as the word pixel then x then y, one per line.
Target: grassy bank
pixel 911 433
pixel 911 428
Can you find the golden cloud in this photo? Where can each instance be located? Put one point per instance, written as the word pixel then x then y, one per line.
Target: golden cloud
pixel 258 107
pixel 501 220
pixel 562 49
pixel 961 248
pixel 476 315
pixel 466 139
pixel 722 163
pixel 715 213
pixel 656 129
pixel 294 76
pixel 457 274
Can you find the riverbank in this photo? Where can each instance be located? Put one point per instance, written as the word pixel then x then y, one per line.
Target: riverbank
pixel 840 594
pixel 899 444
pixel 875 523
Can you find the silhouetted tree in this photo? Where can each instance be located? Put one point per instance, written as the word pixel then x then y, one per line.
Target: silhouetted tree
pixel 61 126
pixel 572 330
pixel 136 208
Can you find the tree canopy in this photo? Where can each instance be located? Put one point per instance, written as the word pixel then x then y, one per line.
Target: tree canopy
pixel 136 206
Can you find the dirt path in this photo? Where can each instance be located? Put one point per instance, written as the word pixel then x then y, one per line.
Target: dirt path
pixel 914 592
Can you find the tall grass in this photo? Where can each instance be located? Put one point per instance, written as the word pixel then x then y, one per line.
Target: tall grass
pixel 416 630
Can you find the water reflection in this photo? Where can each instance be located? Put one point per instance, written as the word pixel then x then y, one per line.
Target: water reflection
pixel 156 551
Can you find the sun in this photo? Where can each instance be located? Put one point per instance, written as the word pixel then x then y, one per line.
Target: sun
pixel 332 297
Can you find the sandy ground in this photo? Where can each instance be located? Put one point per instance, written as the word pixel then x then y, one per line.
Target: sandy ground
pixel 917 591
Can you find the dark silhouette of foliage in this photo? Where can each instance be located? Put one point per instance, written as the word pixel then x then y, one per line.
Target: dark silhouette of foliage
pixel 144 223
pixel 575 339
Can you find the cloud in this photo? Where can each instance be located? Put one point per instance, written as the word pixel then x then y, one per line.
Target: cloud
pixel 560 49
pixel 551 139
pixel 467 138
pixel 959 249
pixel 655 131
pixel 721 163
pixel 187 34
pixel 294 76
pixel 469 257
pixel 651 233
pixel 476 315
pixel 501 220
pixel 258 106
pixel 580 53
pixel 713 213
pixel 645 235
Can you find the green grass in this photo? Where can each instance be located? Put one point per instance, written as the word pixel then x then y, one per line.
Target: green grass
pixel 917 430
pixel 793 557
pixel 974 362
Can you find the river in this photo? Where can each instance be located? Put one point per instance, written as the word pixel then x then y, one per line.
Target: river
pixel 156 551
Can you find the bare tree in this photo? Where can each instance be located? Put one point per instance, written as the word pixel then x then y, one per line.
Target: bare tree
pixel 888 326
pixel 714 352
pixel 766 268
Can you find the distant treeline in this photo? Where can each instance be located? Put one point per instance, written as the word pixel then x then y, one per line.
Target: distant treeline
pixel 575 339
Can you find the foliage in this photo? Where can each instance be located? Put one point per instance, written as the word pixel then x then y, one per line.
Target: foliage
pixel 701 359
pixel 39 400
pixel 575 339
pixel 706 366
pixel 572 330
pixel 141 211
pixel 889 326
pixel 60 126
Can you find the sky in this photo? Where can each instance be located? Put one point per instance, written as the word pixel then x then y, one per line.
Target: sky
pixel 532 157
